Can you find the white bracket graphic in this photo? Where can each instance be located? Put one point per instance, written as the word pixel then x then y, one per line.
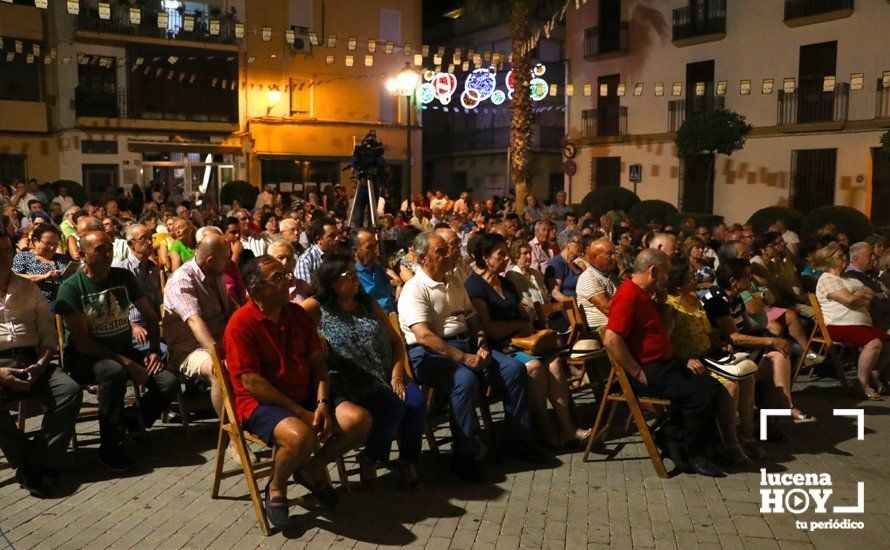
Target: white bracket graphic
pixel 860 420
pixel 860 502
pixel 766 413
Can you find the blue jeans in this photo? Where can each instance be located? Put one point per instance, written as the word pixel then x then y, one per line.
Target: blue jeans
pixel 464 386
pixel 393 418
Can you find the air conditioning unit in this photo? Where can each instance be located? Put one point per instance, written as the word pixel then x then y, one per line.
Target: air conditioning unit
pixel 301 39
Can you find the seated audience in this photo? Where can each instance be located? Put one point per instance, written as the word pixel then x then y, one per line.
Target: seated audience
pixel 95 304
pixel 282 393
pixel 374 279
pixel 365 360
pixel 542 251
pixel 528 281
pixel 562 273
pixel 183 248
pixel 596 286
pixel 323 235
pixel 449 352
pixel 701 266
pixel 44 265
pixel 146 271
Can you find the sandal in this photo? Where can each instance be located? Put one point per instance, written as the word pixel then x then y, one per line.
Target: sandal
pixel 323 490
pixel 871 395
pixel 580 439
pixel 802 417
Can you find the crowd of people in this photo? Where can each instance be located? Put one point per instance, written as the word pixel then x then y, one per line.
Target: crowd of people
pixel 297 305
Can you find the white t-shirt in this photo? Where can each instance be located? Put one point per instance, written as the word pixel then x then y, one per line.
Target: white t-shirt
pixel 790 237
pixel 591 283
pixel 64 202
pixel 444 306
pixel 836 313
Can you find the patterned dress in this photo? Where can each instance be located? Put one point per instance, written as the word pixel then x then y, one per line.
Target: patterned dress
pixel 359 353
pixel 26 263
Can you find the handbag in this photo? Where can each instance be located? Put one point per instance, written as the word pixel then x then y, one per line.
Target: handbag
pixel 733 367
pixel 539 343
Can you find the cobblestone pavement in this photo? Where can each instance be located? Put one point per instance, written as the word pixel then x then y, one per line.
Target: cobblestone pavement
pixel 618 503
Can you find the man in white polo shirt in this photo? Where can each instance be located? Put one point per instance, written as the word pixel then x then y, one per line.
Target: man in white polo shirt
pixel 448 351
pixel 596 285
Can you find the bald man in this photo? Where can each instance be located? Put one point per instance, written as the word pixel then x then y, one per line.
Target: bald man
pixel 196 307
pixel 84 224
pixel 597 285
pixel 95 304
pixel 665 242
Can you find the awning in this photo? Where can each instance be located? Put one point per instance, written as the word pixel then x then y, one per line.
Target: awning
pixel 168 147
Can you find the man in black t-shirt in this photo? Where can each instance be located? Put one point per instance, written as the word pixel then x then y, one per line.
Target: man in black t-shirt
pixel 95 304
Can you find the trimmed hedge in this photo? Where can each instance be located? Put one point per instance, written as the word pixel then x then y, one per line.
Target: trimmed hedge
pixel 765 217
pixel 848 220
pixel 76 190
pixel 600 201
pixel 647 211
pixel 245 193
pixel 707 220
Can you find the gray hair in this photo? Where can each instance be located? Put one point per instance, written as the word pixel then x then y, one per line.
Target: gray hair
pixel 647 258
pixel 422 244
pixel 131 230
pixel 280 241
pixel 204 231
pixel 661 239
pixel 566 236
pixel 541 224
pixel 859 248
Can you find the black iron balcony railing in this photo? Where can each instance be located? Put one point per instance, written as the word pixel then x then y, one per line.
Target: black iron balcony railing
pixel 882 104
pixel 104 101
pixel 119 23
pixel 797 9
pixel 607 122
pixel 543 137
pixel 604 39
pixel 681 109
pixel 809 104
pixel 703 18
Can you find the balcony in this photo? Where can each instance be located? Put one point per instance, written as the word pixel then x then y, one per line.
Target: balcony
pixel 202 110
pixel 882 103
pixel 698 23
pixel 24 22
pixel 680 109
pixel 606 41
pixel 808 108
pixel 610 122
pixel 543 138
pixel 119 27
pixel 808 12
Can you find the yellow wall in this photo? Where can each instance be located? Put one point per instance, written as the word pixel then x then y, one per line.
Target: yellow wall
pixel 22 21
pixel 42 154
pixel 23 116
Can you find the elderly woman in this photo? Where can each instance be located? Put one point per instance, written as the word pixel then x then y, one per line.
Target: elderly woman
pixel 527 280
pixel 692 338
pixel 845 305
pixel 532 211
pixel 366 357
pixel 44 265
pixel 183 248
pixel 497 302
pixel 562 273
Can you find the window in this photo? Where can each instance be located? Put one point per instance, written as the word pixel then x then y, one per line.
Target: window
pixel 697 184
pixel 12 168
pixel 97 147
pixel 99 177
pixel 813 174
pixel 606 172
pixel 301 97
pixel 19 80
pixel 391 25
pixel 556 184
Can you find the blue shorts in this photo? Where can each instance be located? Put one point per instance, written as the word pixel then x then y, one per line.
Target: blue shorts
pixel 265 418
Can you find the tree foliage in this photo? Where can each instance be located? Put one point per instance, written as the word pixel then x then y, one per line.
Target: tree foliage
pixel 721 131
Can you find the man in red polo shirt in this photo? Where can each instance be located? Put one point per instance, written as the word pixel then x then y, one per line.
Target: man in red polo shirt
pixel 282 395
pixel 637 339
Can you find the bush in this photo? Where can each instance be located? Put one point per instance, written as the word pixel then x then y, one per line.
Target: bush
pixel 75 189
pixel 241 191
pixel 765 217
pixel 721 131
pixel 701 219
pixel 647 211
pixel 848 220
pixel 602 200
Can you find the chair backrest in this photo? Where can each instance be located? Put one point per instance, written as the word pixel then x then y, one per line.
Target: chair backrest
pixel 820 319
pixel 394 321
pixel 577 325
pixel 226 393
pixel 60 339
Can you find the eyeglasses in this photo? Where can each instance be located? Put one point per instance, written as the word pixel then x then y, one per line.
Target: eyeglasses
pixel 143 240
pixel 50 244
pixel 281 276
pixel 243 218
pixel 349 273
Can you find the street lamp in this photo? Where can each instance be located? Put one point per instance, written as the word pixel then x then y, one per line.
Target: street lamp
pixel 404 84
pixel 274 98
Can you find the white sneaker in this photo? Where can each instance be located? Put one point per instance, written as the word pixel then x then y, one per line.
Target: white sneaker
pixel 813 359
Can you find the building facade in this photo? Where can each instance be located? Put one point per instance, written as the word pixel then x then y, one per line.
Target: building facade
pixel 467 149
pixel 808 75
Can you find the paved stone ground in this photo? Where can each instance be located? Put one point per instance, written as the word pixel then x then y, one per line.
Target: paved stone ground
pixel 618 503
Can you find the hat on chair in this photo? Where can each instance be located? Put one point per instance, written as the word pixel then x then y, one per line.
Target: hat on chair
pixel 585 347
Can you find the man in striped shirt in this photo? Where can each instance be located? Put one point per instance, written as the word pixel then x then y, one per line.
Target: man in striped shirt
pixel 323 235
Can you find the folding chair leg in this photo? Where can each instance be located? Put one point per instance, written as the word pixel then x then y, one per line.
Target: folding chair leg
pixel 838 366
pixel 344 477
pixel 222 444
pixel 800 362
pixel 431 439
pixel 184 419
pixel 647 439
pixel 22 415
pixel 252 486
pixel 594 434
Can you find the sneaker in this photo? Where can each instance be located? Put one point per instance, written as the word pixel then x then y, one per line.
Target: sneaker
pixel 31 480
pixel 114 459
pixel 813 359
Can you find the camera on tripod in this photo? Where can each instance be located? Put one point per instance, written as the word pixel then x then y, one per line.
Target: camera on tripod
pixel 367 158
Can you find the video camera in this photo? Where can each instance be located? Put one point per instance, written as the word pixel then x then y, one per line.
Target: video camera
pixel 367 158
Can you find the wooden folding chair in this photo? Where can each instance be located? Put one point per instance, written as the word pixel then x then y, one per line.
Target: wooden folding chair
pixel 624 394
pixel 430 396
pixel 823 342
pixel 577 330
pixel 230 430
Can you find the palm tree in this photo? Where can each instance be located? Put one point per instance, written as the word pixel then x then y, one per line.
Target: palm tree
pixel 521 24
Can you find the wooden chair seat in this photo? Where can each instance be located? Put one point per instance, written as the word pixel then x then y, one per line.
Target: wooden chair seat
pixel 577 330
pixel 821 343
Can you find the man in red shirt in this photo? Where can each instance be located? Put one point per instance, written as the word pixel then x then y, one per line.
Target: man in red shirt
pixel 282 395
pixel 637 339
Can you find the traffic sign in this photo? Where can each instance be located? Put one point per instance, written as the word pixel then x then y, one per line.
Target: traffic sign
pixel 636 173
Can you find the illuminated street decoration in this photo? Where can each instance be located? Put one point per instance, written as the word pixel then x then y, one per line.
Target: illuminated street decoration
pixel 481 84
pixel 428 75
pixel 538 89
pixel 539 70
pixel 498 97
pixel 481 81
pixel 425 93
pixel 470 98
pixel 444 85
